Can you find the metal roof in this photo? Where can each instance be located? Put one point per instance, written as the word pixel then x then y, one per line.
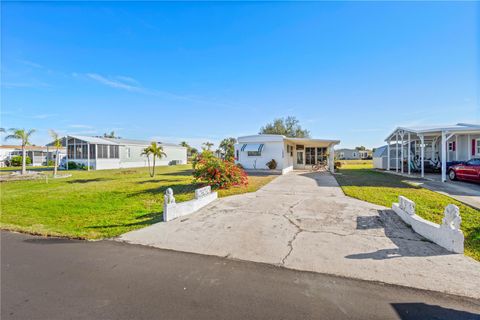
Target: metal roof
pixel 459 127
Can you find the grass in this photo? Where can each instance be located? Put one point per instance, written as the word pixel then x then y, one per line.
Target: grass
pixel 359 180
pixel 98 204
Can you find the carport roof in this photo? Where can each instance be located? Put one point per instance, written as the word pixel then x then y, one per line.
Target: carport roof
pixel 456 128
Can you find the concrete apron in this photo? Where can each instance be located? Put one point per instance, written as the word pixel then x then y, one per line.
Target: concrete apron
pixel 303 221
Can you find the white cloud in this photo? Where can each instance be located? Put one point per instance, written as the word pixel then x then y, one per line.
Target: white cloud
pixel 44 116
pixel 115 82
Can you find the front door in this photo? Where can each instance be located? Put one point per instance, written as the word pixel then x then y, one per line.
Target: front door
pixel 300 160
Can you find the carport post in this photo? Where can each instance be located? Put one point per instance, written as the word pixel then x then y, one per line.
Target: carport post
pixel 408 154
pixel 422 154
pixel 331 162
pixel 401 163
pixel 444 158
pixel 396 153
pixel 88 156
pixel 388 155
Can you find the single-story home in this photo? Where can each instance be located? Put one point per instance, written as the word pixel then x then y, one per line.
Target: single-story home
pixel 353 154
pixel 39 155
pixel 114 153
pixel 255 151
pixel 433 146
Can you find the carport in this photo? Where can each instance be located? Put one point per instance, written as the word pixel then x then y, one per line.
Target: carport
pixel 433 146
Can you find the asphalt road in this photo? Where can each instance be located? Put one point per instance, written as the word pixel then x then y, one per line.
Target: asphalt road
pixel 48 278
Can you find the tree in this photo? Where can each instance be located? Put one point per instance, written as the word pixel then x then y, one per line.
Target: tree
pixel 193 151
pixel 110 135
pixel 361 148
pixel 228 147
pixel 186 145
pixel 207 146
pixel 156 151
pixel 57 143
pixel 24 136
pixel 288 127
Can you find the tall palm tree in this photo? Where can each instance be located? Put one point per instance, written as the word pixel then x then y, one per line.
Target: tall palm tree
pixel 57 143
pixel 156 151
pixel 24 136
pixel 207 145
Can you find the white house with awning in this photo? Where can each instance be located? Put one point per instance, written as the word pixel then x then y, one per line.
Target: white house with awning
pixel 433 146
pixel 255 151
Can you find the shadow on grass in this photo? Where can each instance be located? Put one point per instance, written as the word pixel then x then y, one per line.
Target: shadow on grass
pixel 407 242
pixel 371 178
pixel 186 172
pixel 159 181
pixel 177 189
pixel 150 218
pixel 87 180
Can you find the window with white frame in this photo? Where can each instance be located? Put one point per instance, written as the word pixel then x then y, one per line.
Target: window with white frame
pixel 478 146
pixel 254 153
pixel 451 146
pixel 128 153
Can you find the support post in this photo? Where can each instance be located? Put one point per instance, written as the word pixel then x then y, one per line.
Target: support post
pixel 66 158
pixel 331 162
pixel 88 156
pixel 402 153
pixel 422 154
pixel 456 147
pixel 396 153
pixel 469 147
pixel 388 155
pixel 444 157
pixel 408 154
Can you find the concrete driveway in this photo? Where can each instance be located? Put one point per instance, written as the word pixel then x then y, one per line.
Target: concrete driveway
pixel 304 221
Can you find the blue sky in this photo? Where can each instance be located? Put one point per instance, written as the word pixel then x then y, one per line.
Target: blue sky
pixel 204 71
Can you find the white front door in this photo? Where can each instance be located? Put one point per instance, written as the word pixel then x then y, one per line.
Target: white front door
pixel 299 160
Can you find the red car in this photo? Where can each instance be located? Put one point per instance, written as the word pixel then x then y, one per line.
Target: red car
pixel 469 170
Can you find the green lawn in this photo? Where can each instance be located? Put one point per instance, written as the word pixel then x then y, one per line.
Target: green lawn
pixel 98 204
pixel 359 180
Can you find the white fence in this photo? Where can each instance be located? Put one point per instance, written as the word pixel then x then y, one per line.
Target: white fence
pixel 447 235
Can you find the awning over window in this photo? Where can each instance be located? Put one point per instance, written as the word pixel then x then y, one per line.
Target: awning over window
pixel 252 147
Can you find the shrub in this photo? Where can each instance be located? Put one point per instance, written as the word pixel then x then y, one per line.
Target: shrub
pixel 272 164
pixel 16 161
pixel 50 163
pixel 338 164
pixel 218 173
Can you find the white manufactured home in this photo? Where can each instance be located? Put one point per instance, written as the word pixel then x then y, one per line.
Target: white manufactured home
pixel 432 147
pixel 113 153
pixel 254 152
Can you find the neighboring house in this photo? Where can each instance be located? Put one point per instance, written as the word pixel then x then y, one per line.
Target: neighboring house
pixel 111 153
pixel 434 146
pixel 253 152
pixel 40 155
pixel 353 154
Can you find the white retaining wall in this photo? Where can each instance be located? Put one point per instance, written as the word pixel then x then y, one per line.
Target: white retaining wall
pixel 447 235
pixel 172 210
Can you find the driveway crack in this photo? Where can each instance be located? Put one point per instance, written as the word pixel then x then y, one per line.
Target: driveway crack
pixel 299 230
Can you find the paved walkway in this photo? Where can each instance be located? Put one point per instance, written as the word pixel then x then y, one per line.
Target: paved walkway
pixel 304 221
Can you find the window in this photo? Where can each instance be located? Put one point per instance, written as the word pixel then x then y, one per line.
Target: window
pixel 102 151
pixel 92 151
pixel 321 154
pixel 342 155
pixel 254 153
pixel 237 155
pixel 474 162
pixel 113 152
pixel 300 157
pixel 300 147
pixel 354 154
pixel 451 146
pixel 309 155
pixel 128 152
pixel 478 146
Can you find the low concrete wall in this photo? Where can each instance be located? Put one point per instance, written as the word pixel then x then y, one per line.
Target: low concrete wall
pixel 173 210
pixel 447 235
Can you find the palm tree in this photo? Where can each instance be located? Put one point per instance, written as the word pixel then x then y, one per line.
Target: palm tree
pixel 228 147
pixel 207 145
pixel 156 151
pixel 57 143
pixel 186 145
pixel 21 134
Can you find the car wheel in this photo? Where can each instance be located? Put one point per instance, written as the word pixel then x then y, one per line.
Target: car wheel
pixel 452 175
